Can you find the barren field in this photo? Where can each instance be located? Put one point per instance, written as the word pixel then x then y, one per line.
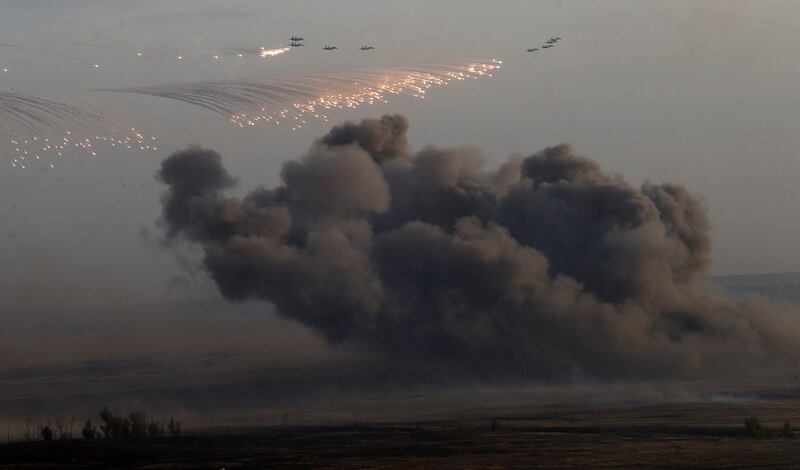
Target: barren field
pixel 699 434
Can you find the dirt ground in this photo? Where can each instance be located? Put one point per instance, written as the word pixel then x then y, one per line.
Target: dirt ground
pixel 708 435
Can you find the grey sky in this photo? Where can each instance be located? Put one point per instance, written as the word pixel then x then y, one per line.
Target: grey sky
pixel 699 93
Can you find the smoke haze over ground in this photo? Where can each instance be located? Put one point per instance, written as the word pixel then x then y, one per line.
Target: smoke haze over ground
pixel 545 268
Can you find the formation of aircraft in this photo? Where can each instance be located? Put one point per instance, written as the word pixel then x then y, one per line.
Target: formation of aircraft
pixel 297 41
pixel 547 45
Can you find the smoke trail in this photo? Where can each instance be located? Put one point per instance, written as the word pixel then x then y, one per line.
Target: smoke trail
pixel 296 98
pixel 49 54
pixel 35 127
pixel 544 268
pixel 262 52
pixel 125 50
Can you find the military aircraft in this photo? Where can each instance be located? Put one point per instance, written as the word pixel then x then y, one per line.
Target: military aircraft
pixel 367 48
pixel 533 49
pixel 329 48
pixel 296 38
pixel 296 44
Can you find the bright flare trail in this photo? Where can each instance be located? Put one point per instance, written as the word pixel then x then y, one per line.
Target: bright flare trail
pixel 36 128
pixel 263 52
pixel 294 98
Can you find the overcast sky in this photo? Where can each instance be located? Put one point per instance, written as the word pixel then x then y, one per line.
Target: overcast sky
pixel 699 93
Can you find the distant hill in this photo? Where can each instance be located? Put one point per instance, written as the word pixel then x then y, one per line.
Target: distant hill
pixel 779 286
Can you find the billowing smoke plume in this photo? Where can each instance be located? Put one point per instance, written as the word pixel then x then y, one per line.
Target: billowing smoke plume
pixel 545 268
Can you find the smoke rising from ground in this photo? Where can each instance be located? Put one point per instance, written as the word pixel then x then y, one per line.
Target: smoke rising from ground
pixel 544 268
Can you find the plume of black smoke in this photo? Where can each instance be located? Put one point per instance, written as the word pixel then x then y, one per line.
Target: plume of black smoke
pixel 544 268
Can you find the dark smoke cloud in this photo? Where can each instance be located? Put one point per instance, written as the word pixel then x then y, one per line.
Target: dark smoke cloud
pixel 545 268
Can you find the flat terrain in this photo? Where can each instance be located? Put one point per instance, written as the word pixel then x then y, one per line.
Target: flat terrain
pixel 703 434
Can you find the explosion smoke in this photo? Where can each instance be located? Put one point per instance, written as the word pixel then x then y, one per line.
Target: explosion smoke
pixel 545 268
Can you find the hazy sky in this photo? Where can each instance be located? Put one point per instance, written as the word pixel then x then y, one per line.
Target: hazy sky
pixel 699 93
